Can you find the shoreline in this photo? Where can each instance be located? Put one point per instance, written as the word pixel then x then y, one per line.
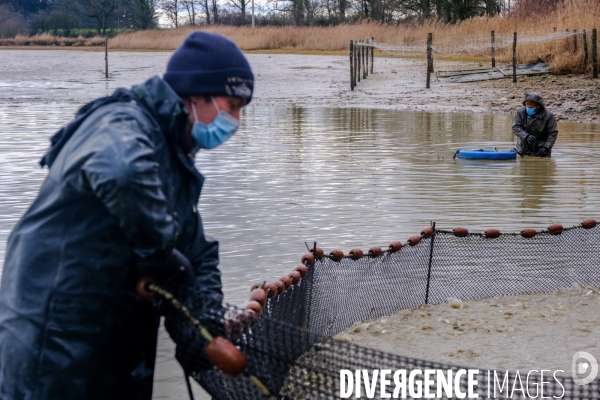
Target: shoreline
pixel 322 80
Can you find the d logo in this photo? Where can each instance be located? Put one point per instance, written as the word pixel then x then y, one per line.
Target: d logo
pixel 583 363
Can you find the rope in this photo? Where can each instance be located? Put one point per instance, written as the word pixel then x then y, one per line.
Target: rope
pixel 169 298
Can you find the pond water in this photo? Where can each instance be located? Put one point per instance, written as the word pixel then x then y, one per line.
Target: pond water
pixel 342 177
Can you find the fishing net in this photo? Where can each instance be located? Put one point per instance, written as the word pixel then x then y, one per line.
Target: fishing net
pixel 289 349
pixel 473 45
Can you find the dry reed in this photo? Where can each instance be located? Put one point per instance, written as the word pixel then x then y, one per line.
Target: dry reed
pixel 571 14
pixel 50 40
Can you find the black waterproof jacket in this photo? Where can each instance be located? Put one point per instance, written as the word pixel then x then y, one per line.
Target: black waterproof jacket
pixel 118 189
pixel 542 125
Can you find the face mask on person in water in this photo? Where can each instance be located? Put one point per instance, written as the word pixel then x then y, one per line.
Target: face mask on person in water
pixel 217 132
pixel 530 111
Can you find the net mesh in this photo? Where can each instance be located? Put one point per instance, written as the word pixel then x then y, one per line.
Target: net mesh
pixel 474 45
pixel 290 349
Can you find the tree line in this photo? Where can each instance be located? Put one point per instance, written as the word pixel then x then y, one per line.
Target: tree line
pixel 110 16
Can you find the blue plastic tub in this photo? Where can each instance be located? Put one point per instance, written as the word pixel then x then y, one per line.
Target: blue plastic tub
pixel 486 154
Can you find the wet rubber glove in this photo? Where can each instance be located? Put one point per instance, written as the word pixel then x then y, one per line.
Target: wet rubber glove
pixel 542 152
pixel 172 268
pixel 531 140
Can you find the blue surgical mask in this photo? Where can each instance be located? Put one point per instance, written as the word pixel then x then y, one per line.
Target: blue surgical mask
pixel 217 132
pixel 530 111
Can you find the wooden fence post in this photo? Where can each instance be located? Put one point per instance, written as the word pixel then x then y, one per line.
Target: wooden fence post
pixel 514 58
pixel 367 58
pixel 429 60
pixel 362 59
pixel 493 49
pixel 594 54
pixel 585 49
pixel 106 58
pixel 574 40
pixel 358 60
pixel 372 52
pixel 351 50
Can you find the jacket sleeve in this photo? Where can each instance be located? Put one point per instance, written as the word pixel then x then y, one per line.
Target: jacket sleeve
pixel 203 253
pixel 552 130
pixel 518 127
pixel 123 174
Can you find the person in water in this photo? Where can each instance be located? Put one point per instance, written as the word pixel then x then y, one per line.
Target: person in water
pixel 535 127
pixel 119 203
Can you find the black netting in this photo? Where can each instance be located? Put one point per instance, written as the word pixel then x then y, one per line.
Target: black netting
pixel 290 350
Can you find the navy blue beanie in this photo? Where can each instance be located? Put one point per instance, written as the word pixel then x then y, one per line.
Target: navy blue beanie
pixel 210 64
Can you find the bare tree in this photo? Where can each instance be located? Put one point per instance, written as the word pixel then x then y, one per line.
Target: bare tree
pixel 190 7
pixel 98 10
pixel 171 10
pixel 241 5
pixel 215 10
pixel 206 6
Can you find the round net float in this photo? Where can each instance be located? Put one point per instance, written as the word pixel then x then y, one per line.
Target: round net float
pixel 356 254
pixel 233 326
pixel 249 317
pixel 270 289
pixel 460 231
pixel 492 233
pixel 427 232
pixel 259 296
pixel 302 270
pixel 555 229
pixel 141 289
pixel 375 251
pixel 319 254
pixel 286 281
pixel 295 277
pixel 255 286
pixel 336 255
pixel 588 223
pixel 280 286
pixel 254 306
pixel 528 233
pixel 394 247
pixel 308 258
pixel 225 356
pixel 413 240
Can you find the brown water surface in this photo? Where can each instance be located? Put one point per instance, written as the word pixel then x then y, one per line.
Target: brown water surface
pixel 342 177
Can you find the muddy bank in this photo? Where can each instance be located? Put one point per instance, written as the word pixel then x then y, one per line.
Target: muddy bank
pixel 399 83
pixel 514 332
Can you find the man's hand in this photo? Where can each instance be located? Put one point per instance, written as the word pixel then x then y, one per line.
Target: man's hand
pixel 175 268
pixel 530 139
pixel 542 152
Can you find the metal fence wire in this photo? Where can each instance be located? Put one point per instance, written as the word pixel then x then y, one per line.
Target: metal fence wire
pixel 290 348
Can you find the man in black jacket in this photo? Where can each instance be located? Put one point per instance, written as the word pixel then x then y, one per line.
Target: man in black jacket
pixel 534 127
pixel 119 202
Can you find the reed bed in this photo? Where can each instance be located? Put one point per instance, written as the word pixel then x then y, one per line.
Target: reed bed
pixel 50 40
pixel 560 54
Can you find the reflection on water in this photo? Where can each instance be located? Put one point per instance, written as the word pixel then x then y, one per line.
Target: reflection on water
pixel 343 177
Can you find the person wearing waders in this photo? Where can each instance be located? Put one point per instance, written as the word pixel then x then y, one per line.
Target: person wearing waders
pixel 534 127
pixel 119 203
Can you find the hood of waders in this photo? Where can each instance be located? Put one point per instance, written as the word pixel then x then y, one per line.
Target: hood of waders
pixel 155 96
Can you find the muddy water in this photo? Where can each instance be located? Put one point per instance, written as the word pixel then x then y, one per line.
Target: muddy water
pixel 343 177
